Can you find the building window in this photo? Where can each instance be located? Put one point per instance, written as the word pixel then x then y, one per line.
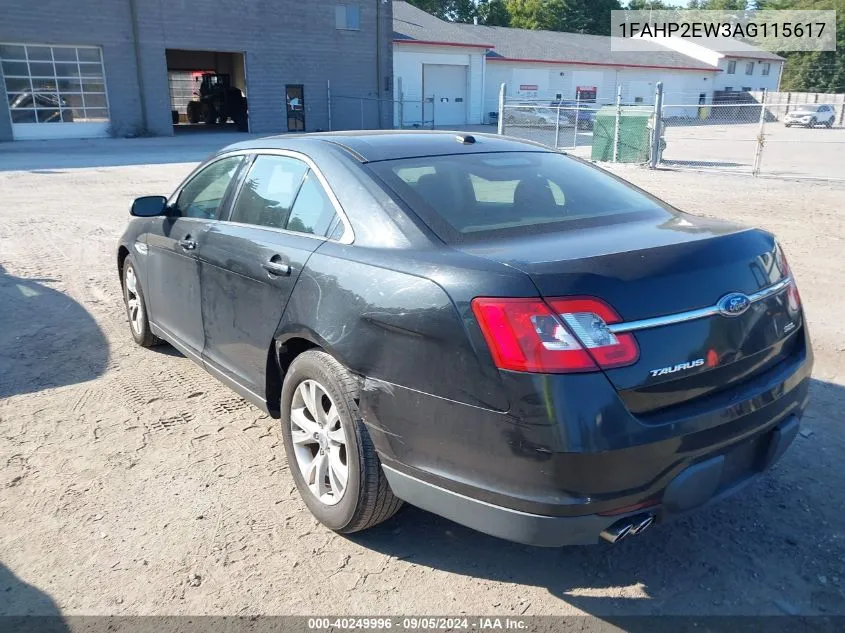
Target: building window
pixel 746 88
pixel 731 67
pixel 767 67
pixel 729 88
pixel 54 84
pixel 749 68
pixel 347 17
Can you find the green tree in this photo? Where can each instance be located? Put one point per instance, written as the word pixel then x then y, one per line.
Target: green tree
pixel 719 5
pixel 493 13
pixel 574 16
pixel 437 8
pixel 649 5
pixel 814 71
pixel 596 15
pixel 451 10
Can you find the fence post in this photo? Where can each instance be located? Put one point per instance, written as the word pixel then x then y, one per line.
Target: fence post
pixel 329 96
pixel 575 129
pixel 758 151
pixel 433 106
pixel 401 103
pixel 501 122
pixel 557 124
pixel 616 126
pixel 401 111
pixel 657 128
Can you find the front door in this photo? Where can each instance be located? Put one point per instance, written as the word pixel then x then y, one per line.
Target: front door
pixel 174 242
pixel 295 106
pixel 249 264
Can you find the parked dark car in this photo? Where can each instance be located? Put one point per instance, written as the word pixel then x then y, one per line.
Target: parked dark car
pixel 485 328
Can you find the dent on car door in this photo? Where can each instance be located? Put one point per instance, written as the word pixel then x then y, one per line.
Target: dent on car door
pixel 250 264
pixel 174 242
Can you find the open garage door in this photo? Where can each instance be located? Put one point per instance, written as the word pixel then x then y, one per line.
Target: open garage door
pixel 207 90
pixel 448 84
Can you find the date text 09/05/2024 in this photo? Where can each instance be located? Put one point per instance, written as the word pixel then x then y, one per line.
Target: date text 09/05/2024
pixel 423 623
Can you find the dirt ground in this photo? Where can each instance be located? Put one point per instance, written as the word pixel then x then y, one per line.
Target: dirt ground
pixel 132 482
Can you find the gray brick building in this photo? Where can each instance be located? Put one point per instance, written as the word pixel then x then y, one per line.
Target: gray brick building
pixel 76 68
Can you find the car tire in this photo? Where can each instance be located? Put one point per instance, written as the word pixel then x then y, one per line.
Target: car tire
pixel 828 123
pixel 193 111
pixel 366 498
pixel 787 124
pixel 812 123
pixel 136 306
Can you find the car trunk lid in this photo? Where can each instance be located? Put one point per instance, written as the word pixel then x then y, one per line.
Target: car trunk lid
pixel 667 281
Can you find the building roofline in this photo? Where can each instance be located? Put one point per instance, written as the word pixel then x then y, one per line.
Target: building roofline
pixel 617 65
pixel 729 55
pixel 435 43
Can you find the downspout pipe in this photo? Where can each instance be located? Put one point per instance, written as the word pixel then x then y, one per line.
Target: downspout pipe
pixel 133 12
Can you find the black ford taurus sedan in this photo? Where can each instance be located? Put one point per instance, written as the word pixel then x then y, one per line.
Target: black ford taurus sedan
pixel 482 327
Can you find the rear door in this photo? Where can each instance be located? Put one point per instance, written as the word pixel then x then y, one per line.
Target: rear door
pixel 174 241
pixel 251 261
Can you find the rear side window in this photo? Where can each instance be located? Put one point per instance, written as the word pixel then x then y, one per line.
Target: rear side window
pixel 312 212
pixel 477 196
pixel 269 190
pixel 283 193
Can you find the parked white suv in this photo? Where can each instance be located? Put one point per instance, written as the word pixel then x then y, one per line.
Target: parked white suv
pixel 810 115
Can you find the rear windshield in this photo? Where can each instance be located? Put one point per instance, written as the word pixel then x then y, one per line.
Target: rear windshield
pixel 478 196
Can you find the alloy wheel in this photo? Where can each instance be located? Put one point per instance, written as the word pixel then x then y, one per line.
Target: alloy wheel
pixel 319 442
pixel 134 305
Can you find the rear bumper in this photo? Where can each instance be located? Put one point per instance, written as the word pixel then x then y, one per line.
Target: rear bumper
pixel 698 485
pixel 568 458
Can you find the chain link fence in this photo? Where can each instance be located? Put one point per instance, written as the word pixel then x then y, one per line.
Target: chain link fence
pixel 760 138
pixel 791 135
pixel 557 123
pixel 365 112
pixel 601 130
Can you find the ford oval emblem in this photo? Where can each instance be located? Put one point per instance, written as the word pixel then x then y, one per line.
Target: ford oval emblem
pixel 734 304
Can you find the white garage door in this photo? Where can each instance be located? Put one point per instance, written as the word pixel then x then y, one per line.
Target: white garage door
pixel 448 85
pixel 55 91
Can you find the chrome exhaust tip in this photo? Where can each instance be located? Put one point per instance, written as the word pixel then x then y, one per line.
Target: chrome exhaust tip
pixel 629 526
pixel 616 532
pixel 643 525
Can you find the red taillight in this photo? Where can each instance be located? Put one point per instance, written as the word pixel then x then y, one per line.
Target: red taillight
pixel 792 294
pixel 554 336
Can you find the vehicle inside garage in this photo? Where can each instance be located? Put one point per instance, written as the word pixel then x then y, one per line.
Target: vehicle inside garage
pixel 207 90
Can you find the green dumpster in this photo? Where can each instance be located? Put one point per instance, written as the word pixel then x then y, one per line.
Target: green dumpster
pixel 634 134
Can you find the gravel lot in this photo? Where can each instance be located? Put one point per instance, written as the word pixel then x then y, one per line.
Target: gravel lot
pixel 131 482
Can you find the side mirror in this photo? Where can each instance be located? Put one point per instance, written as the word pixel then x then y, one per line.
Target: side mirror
pixel 148 206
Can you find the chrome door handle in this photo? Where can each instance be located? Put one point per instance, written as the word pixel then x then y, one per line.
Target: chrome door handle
pixel 276 268
pixel 187 244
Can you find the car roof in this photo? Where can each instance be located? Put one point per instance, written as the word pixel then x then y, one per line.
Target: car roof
pixel 377 145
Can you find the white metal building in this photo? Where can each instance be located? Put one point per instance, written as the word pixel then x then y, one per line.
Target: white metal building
pixel 451 73
pixel 747 68
pixel 437 67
